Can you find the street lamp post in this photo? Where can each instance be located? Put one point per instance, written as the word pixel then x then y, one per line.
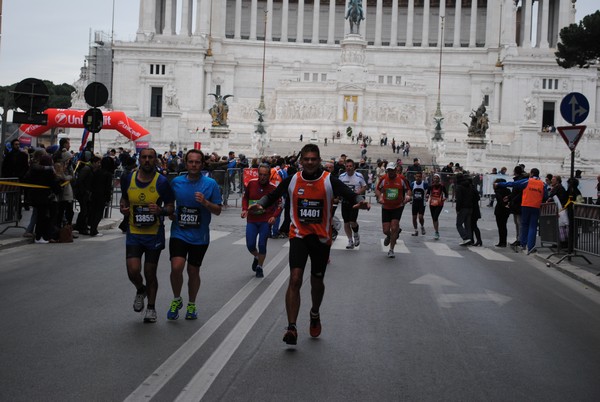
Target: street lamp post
pixel 438 117
pixel 261 105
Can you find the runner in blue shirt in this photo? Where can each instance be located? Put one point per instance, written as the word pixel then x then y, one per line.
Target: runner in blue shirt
pixel 197 198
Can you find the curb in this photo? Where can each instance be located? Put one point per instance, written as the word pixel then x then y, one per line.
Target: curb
pixel 581 275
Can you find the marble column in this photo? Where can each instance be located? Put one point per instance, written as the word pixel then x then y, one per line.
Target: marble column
pixel 331 31
pixel 237 33
pixel 186 18
pixel 378 21
pixel 346 24
pixel 300 27
pixel 426 17
pixel 269 16
pixel 457 22
pixel 473 26
pixel 394 30
pixel 363 23
pixel 527 25
pixel 543 39
pixel 284 20
pixel 491 24
pixel 497 82
pixel 410 22
pixel 170 17
pixel 253 10
pixel 442 13
pixel 315 30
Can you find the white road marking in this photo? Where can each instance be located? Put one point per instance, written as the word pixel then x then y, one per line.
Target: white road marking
pixel 490 254
pixel 199 385
pixel 442 250
pixel 445 300
pixel 157 380
pixel 101 238
pixel 399 248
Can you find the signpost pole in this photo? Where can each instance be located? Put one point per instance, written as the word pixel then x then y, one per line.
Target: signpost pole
pixel 574 108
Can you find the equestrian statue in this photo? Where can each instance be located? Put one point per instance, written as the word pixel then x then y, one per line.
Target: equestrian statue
pixel 355 15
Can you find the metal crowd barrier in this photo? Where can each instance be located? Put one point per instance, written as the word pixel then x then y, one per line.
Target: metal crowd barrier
pixel 10 204
pixel 587 229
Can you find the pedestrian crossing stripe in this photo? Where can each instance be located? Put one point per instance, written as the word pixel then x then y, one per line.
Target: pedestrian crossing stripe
pixel 442 249
pixel 489 254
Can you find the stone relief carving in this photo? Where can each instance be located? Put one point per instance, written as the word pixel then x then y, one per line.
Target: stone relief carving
pixel 394 113
pixel 302 109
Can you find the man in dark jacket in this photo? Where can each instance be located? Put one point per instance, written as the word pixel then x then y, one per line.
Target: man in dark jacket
pixel 464 208
pixel 16 162
pixel 83 192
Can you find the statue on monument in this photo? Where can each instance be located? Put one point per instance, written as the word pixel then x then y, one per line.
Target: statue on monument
pixel 355 14
pixel 529 110
pixel 479 122
pixel 219 110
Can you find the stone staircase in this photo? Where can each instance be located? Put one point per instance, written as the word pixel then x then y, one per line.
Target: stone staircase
pixel 353 151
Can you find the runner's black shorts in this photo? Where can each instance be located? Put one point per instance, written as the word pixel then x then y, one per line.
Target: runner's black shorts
pixel 193 253
pixel 349 214
pixel 435 212
pixel 387 215
pixel 418 208
pixel 137 250
pixel 309 246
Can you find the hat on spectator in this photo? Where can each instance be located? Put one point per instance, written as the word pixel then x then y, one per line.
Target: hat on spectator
pixel 390 166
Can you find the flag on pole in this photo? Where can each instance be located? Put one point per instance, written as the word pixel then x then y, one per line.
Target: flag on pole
pixel 84 139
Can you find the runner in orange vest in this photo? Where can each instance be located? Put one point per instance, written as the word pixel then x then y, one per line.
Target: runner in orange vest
pixel 311 194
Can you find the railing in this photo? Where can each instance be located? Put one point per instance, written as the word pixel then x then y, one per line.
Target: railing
pixel 587 229
pixel 10 204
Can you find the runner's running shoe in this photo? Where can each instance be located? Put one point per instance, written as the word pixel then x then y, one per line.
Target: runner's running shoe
pixel 254 264
pixel 391 254
pixel 150 315
pixel 191 313
pixel 436 236
pixel 291 335
pixel 259 272
pixel 356 239
pixel 423 230
pixel 138 302
pixel 350 245
pixel 173 312
pixel 387 240
pixel 416 233
pixel 315 324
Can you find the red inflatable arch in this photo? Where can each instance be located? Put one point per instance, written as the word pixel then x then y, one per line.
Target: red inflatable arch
pixel 114 120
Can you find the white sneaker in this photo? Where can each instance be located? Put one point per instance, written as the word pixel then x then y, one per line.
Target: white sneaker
pixel 423 230
pixel 150 316
pixel 416 233
pixel 465 242
pixel 391 254
pixel 356 239
pixel 41 241
pixel 138 302
pixel 350 245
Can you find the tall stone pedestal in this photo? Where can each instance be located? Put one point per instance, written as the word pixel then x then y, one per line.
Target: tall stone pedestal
pixel 476 155
pixel 219 140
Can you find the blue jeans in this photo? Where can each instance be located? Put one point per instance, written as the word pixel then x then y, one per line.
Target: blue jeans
pixel 529 224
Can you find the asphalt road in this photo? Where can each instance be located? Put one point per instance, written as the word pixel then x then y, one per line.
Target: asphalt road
pixel 438 323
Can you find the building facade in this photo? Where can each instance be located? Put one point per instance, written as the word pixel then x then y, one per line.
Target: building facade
pixel 384 80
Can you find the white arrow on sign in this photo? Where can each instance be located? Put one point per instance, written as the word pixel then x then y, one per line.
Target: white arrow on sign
pixel 574 110
pixel 489 296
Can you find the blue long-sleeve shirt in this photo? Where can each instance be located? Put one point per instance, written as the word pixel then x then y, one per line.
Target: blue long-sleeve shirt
pixel 521 184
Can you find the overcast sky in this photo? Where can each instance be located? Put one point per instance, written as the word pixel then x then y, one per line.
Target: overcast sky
pixel 48 39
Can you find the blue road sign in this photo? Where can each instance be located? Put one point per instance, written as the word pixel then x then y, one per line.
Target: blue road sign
pixel 574 108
